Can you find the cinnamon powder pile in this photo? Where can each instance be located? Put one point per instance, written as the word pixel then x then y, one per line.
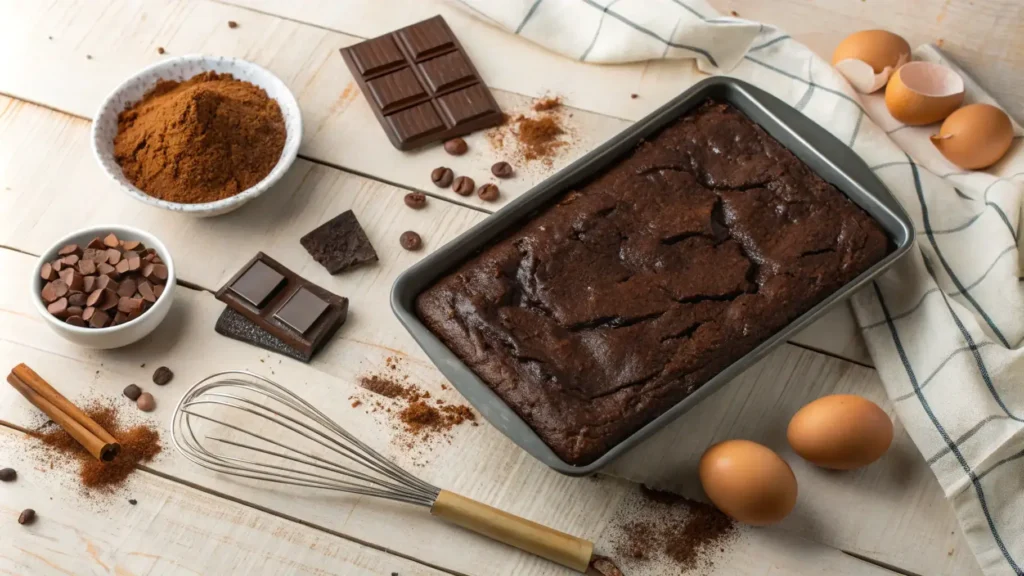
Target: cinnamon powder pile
pixel 139 443
pixel 539 134
pixel 204 139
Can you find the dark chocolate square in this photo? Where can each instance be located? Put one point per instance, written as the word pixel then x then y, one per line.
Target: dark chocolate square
pixel 233 325
pixel 416 122
pixel 446 71
pixel 301 310
pixel 258 283
pixel 465 105
pixel 396 90
pixel 339 244
pixel 426 39
pixel 377 55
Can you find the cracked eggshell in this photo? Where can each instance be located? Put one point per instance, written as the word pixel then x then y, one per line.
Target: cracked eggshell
pixel 975 136
pixel 923 92
pixel 867 59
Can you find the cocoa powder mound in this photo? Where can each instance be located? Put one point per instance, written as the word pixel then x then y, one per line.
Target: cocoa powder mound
pixel 539 137
pixel 139 443
pixel 204 139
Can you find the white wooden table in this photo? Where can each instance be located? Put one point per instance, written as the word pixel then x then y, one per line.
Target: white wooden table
pixel 59 59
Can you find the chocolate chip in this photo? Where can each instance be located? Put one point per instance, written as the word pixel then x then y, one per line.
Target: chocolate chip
pixel 411 241
pixel 27 516
pixel 634 96
pixel 68 250
pixel 132 392
pixel 58 307
pixel 98 318
pixel 463 186
pixel 456 146
pixel 76 321
pixel 133 501
pixel 8 475
pixel 146 402
pixel 232 24
pixel 442 177
pixel 47 273
pixel 160 50
pixel 502 169
pixel 70 260
pixel 488 192
pixel 111 241
pixel 415 200
pixel 162 375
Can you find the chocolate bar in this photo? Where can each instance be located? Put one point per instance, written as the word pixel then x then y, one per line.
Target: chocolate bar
pixel 421 84
pixel 291 310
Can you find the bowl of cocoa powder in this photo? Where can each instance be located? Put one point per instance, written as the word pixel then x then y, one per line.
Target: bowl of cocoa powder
pixel 199 135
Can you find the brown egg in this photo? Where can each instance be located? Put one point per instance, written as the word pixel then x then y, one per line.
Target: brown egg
pixel 923 92
pixel 748 482
pixel 868 58
pixel 841 432
pixel 975 136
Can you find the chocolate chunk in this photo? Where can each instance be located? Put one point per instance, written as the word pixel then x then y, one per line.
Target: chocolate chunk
pixel 301 310
pixel 463 186
pixel 119 318
pixel 88 313
pixel 299 315
pixel 70 260
pixel 105 269
pixel 69 250
pixel 415 200
pixel 8 475
pixel 456 146
pixel 76 321
pixel 133 501
pixel 58 307
pixel 73 310
pixel 113 256
pixel 105 282
pixel 502 169
pixel 96 243
pixel 128 305
pixel 27 516
pixel 110 241
pixel 131 245
pixel 86 267
pixel 57 265
pixel 49 292
pixel 121 267
pixel 146 291
pixel 132 392
pixel 411 241
pixel 421 85
pixel 442 177
pixel 127 288
pixel 257 284
pixel 339 244
pixel 488 192
pixel 162 375
pixel 235 326
pixel 78 299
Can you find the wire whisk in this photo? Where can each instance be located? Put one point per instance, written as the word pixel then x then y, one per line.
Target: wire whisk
pixel 246 425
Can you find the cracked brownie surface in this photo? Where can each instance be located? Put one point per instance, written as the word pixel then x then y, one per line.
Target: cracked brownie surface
pixel 614 304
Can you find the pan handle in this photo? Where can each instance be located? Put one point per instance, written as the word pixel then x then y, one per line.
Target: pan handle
pixel 564 549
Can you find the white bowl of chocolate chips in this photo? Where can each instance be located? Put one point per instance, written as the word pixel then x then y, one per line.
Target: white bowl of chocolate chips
pixel 104 287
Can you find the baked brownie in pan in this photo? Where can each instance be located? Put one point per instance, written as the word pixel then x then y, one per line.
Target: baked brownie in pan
pixel 631 291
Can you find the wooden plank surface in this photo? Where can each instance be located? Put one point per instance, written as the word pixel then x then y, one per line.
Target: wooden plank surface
pixel 339 128
pixel 477 461
pixel 172 529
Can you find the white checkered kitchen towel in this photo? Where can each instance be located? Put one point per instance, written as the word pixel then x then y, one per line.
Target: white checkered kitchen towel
pixel 946 324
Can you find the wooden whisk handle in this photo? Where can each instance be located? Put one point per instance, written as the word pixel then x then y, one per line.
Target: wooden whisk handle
pixel 567 550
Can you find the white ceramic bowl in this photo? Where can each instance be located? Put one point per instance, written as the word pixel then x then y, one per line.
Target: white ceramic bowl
pixel 104 126
pixel 114 336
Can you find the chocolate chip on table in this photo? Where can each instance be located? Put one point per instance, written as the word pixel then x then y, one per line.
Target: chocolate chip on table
pixel 232 24
pixel 463 186
pixel 27 516
pixel 411 241
pixel 442 177
pixel 8 475
pixel 133 501
pixel 162 375
pixel 160 50
pixel 415 200
pixel 146 402
pixel 634 96
pixel 502 169
pixel 488 192
pixel 456 146
pixel 132 392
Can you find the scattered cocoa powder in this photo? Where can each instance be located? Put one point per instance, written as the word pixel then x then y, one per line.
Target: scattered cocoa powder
pixel 664 527
pixel 538 136
pixel 357 403
pixel 139 443
pixel 204 139
pixel 545 104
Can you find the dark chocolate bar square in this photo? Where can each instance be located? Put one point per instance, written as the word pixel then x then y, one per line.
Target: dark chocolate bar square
pixel 339 244
pixel 257 283
pixel 238 327
pixel 406 74
pixel 301 310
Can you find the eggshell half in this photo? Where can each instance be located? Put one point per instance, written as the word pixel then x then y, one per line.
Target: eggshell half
pixel 923 92
pixel 975 136
pixel 868 58
pixel 748 482
pixel 841 432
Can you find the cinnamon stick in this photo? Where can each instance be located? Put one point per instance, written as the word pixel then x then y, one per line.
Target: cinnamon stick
pixel 85 430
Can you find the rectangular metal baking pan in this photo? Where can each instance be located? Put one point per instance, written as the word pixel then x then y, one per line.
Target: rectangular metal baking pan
pixel 822 152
